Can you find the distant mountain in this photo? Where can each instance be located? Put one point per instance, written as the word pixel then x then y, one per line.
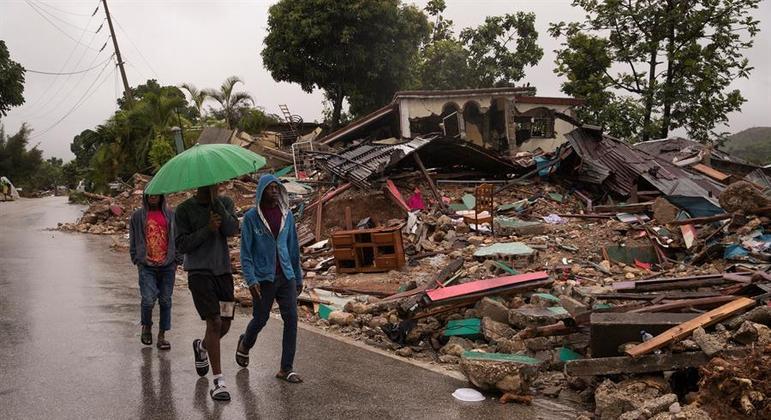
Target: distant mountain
pixel 752 145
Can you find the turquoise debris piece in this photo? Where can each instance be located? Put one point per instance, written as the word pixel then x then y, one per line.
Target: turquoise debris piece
pixel 501 357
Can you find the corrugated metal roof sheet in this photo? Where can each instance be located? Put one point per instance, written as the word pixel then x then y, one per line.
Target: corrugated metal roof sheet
pixel 626 165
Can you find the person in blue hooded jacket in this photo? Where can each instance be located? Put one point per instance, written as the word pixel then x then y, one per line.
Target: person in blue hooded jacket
pixel 270 262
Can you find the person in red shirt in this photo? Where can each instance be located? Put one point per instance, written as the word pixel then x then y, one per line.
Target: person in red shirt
pixel 156 259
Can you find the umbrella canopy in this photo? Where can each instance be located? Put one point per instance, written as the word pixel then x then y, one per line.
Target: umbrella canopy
pixel 202 165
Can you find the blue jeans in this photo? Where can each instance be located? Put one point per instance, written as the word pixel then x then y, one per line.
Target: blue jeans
pixel 156 283
pixel 285 292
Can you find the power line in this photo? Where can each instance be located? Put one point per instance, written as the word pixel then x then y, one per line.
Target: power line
pixel 55 26
pixel 66 61
pixel 58 18
pixel 68 73
pixel 135 47
pixel 67 11
pixel 86 95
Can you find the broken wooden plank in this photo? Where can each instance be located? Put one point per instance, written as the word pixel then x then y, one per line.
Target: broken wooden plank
pixel 589 216
pixel 644 364
pixel 437 195
pixel 319 219
pixel 711 172
pixel 686 328
pixel 653 296
pixel 348 219
pixel 329 195
pixel 484 285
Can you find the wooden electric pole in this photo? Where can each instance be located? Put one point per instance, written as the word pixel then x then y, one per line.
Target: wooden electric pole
pixel 126 89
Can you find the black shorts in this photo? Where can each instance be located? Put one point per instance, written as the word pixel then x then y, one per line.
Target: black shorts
pixel 208 291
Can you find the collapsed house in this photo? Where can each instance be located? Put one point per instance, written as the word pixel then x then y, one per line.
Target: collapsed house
pixel 490 232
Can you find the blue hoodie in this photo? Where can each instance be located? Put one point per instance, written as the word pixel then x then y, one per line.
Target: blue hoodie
pixel 259 247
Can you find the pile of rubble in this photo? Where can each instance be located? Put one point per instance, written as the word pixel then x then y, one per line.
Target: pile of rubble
pixel 597 273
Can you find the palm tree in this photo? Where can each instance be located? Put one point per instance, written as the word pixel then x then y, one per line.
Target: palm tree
pixel 229 100
pixel 197 96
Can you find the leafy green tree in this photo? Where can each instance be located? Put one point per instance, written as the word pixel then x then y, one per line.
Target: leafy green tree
pixel 495 53
pixel 229 100
pixel 255 120
pixel 675 58
pixel 18 162
pixel 11 81
pixel 160 152
pixel 348 49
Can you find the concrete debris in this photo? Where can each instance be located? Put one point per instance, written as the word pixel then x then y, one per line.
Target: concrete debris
pixel 546 296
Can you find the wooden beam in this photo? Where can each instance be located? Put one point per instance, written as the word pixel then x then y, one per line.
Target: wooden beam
pixel 644 364
pixel 319 220
pixel 348 218
pixel 434 190
pixel 686 328
pixel 685 303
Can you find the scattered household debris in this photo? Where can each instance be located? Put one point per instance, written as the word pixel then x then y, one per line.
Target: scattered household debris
pixel 593 268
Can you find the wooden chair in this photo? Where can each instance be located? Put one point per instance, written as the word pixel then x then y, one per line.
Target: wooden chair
pixel 483 195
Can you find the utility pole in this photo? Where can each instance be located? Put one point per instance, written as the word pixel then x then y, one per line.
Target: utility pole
pixel 126 89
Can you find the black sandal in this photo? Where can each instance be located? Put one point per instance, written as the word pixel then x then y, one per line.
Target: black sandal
pixel 291 377
pixel 147 336
pixel 163 345
pixel 241 358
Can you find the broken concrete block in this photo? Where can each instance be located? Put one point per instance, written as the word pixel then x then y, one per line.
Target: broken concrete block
pixel 660 404
pixel 341 318
pixel 495 331
pixel 377 322
pixel 532 316
pixel 404 352
pixel 494 310
pixel 742 196
pixel 573 306
pixel 709 344
pixel 760 315
pixel 663 211
pixel 746 334
pixel 513 345
pixel 612 400
pixel 357 307
pixel 505 372
pixel 456 346
pixel 544 300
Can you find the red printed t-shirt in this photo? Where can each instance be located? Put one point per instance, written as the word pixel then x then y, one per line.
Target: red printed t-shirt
pixel 273 216
pixel 157 236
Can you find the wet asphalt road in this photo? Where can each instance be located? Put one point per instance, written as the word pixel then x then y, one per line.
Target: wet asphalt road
pixel 69 310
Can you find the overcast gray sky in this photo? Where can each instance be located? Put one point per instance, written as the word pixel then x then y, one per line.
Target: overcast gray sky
pixel 204 42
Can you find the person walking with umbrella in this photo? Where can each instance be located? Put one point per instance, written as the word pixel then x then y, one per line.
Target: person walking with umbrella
pixel 270 261
pixel 204 223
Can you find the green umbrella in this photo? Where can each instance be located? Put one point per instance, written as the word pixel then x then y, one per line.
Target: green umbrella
pixel 204 164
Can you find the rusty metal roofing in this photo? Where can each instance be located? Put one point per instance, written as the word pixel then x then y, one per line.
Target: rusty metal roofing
pixel 625 166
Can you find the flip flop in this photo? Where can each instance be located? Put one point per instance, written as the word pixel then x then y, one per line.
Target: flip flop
pixel 163 345
pixel 241 358
pixel 291 377
pixel 146 337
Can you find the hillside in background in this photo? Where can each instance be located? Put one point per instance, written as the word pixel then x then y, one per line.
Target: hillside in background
pixel 752 145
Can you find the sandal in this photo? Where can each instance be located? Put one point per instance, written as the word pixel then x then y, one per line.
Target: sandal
pixel 241 358
pixel 163 344
pixel 291 377
pixel 147 336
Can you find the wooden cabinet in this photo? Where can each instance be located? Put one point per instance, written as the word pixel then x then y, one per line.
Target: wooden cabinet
pixel 368 250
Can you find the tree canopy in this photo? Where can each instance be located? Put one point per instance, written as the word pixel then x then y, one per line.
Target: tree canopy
pixel 647 67
pixel 11 81
pixel 360 49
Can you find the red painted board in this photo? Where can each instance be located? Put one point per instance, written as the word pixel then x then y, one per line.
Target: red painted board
pixel 482 285
pixel 397 195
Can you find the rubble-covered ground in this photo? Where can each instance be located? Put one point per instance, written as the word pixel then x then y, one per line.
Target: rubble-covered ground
pixel 539 330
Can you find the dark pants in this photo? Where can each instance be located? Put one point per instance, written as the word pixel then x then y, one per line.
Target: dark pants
pixel 283 291
pixel 156 283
